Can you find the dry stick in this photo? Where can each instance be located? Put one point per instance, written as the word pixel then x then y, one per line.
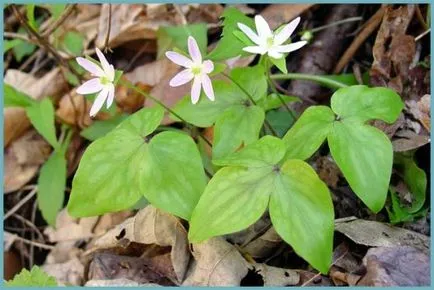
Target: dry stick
pixel 21 203
pixel 179 11
pixel 251 100
pixel 18 36
pixel 39 245
pixel 107 37
pixel 42 41
pixel 30 224
pixel 417 38
pixel 370 26
pixel 68 11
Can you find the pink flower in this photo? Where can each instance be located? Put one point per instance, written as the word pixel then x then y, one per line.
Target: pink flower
pixel 196 70
pixel 102 83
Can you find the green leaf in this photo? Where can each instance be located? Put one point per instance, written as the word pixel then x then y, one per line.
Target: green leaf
pixel 240 125
pixel 72 42
pixel 243 38
pixel 399 213
pixel 41 115
pixel 267 151
pixel 252 80
pixel 280 63
pixel 15 98
pixel 99 129
pixel 24 48
pixel 229 45
pixel 9 44
pixel 414 177
pixel 176 36
pixel 51 187
pixel 206 112
pixel 309 132
pixel 56 10
pixel 108 176
pixel 173 177
pixel 117 169
pixel 218 68
pixel 234 198
pixel 272 101
pixel 361 104
pixel 30 12
pixel 365 155
pixel 36 277
pixel 301 211
pixel 281 121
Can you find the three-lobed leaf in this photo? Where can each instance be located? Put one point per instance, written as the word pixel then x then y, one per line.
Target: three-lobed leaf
pixel 99 129
pixel 32 278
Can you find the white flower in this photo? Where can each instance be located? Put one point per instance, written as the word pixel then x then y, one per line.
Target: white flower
pixel 271 42
pixel 102 83
pixel 196 70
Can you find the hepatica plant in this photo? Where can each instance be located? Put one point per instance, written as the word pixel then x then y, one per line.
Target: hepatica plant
pixel 251 171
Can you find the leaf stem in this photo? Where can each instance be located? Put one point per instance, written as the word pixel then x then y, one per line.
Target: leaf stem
pixel 307 77
pixel 251 100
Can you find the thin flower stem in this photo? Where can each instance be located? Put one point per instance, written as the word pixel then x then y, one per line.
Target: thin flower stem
pixel 146 95
pixel 273 88
pixel 343 21
pixel 307 77
pixel 251 100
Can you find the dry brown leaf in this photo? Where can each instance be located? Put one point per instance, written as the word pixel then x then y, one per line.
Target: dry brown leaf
pixel 152 226
pixel 277 277
pixel 277 14
pixel 204 13
pixel 328 171
pixel 117 283
pixel 70 273
pixel 377 234
pixel 22 160
pixel 15 120
pixel 152 73
pixel 421 110
pixel 408 140
pixel 217 263
pixel 265 245
pixel 74 110
pixel 396 266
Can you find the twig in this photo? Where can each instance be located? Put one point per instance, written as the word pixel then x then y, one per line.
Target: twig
pixel 179 11
pixel 417 38
pixel 107 37
pixel 370 26
pixel 36 244
pixel 21 203
pixel 30 60
pixel 30 224
pixel 18 36
pixel 68 11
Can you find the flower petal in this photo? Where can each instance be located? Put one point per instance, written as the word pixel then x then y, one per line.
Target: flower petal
pixel 207 87
pixel 255 49
pixel 194 51
pixel 181 78
pixel 179 59
pixel 195 90
pixel 290 47
pixel 99 102
pixel 208 66
pixel 274 54
pixel 109 71
pixel 94 69
pixel 90 87
pixel 111 95
pixel 249 32
pixel 262 28
pixel 286 32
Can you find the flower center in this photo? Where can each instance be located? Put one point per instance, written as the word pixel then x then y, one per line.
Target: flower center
pixel 104 80
pixel 196 70
pixel 270 41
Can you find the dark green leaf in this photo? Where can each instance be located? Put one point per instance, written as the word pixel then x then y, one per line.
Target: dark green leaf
pixel 9 44
pixel 281 121
pixel 272 101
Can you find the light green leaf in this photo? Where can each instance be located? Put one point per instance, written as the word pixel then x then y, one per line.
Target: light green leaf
pixel 15 98
pixel 237 126
pixel 36 277
pixel 99 129
pixel 267 151
pixel 280 63
pixel 41 115
pixel 109 174
pixel 9 44
pixel 206 112
pixel 30 12
pixel 414 177
pixel 176 36
pixel 218 68
pixel 252 80
pixel 72 42
pixel 243 38
pixel 272 101
pixel 172 177
pixel 51 187
pixel 365 155
pixel 23 48
pixel 234 198
pixel 309 132
pixel 56 10
pixel 301 211
pixel 229 45
pixel 361 103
